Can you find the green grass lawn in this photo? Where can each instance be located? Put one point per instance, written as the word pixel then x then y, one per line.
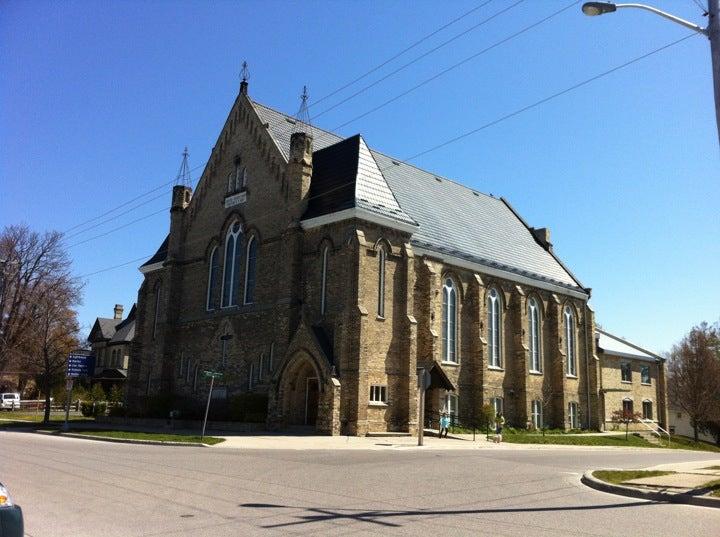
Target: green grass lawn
pixel 683 442
pixel 620 476
pixel 162 437
pixel 712 468
pixel 678 442
pixel 10 419
pixel 575 440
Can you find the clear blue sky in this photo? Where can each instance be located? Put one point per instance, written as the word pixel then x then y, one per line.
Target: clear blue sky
pixel 98 99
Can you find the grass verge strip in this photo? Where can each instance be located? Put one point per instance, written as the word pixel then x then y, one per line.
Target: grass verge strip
pixel 620 476
pixel 160 437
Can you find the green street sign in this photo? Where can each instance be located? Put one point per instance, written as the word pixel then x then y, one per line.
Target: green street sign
pixel 212 374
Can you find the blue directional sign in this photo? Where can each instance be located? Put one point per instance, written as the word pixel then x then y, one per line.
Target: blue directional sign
pixel 80 365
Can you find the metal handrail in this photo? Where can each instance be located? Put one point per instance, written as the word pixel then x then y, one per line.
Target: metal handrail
pixel 656 430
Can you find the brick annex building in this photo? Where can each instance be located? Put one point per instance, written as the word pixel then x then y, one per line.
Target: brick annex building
pixel 323 273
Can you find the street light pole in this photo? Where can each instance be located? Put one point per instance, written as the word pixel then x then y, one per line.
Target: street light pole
pixel 712 32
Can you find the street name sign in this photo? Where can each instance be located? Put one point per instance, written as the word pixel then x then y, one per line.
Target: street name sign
pixel 80 365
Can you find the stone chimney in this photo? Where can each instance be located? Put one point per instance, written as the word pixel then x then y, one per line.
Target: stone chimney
pixel 181 196
pixel 542 235
pixel 299 168
pixel 118 311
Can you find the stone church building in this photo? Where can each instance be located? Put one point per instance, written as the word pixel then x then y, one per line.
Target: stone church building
pixel 325 274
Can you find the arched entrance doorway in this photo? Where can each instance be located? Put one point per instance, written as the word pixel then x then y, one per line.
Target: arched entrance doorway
pixel 300 391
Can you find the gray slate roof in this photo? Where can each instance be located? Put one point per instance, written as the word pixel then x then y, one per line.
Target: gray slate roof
pixel 125 331
pixel 105 326
pixel 345 175
pixel 453 219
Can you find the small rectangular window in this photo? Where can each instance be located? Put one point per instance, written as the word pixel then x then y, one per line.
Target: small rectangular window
pixel 645 374
pixel 497 404
pixel 626 372
pixel 261 366
pixel 251 374
pixel 627 406
pixel 573 416
pixel 378 394
pixel 451 405
pixel 270 357
pixel 536 414
pixel 647 410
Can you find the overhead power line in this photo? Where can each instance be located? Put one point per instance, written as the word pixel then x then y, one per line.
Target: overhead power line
pixel 551 97
pixel 458 64
pixel 417 59
pixel 126 203
pixel 484 126
pixel 364 75
pixel 407 49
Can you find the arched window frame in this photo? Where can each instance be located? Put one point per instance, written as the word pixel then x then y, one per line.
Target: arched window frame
pixel 449 321
pixel 535 335
pixel 213 270
pixel 250 270
pixel 570 342
pixel 231 266
pixel 323 281
pixel 494 328
pixel 381 281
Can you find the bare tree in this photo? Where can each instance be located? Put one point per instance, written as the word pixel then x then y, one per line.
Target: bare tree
pixel 694 375
pixel 33 267
pixel 54 337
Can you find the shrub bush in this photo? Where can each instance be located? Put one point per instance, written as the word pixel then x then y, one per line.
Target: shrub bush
pixel 90 409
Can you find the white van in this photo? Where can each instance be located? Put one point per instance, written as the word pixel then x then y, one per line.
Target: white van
pixel 10 401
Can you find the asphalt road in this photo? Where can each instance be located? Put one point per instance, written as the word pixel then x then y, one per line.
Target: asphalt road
pixel 76 488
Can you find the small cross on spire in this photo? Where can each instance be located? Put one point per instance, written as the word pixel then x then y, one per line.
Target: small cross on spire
pixel 244 77
pixel 183 176
pixel 302 118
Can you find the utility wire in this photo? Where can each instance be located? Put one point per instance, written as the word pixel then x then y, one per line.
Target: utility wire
pixel 458 64
pixel 94 226
pixel 333 93
pixel 551 97
pixel 119 227
pixel 124 204
pixel 454 139
pixel 410 47
pixel 411 62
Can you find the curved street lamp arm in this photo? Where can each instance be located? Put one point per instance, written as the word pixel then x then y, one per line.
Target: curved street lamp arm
pixel 678 20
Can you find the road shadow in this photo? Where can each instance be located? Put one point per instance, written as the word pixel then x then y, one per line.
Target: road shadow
pixel 393 518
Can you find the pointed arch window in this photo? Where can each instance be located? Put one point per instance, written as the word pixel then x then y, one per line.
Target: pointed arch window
pixel 213 273
pixel 323 282
pixel 237 179
pixel 571 368
pixel 231 265
pixel 250 270
pixel 449 321
pixel 535 341
pixel 381 281
pixel 494 328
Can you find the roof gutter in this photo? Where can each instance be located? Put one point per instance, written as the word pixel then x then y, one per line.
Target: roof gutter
pixel 151 267
pixel 360 214
pixel 517 278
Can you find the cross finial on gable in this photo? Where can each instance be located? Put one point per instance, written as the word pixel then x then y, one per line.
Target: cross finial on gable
pixel 302 118
pixel 183 177
pixel 244 77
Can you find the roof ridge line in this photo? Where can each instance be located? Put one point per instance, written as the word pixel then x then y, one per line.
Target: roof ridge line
pixel 397 159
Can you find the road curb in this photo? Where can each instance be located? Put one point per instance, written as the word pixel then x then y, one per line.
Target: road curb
pixel 650 495
pixel 123 440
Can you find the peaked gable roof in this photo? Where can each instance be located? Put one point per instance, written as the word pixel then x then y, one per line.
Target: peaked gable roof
pixel 453 220
pixel 103 329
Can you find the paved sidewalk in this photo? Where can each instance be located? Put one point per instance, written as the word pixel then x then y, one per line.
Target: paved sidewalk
pixel 689 482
